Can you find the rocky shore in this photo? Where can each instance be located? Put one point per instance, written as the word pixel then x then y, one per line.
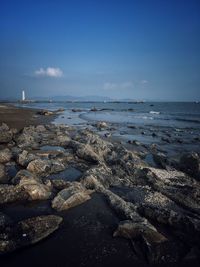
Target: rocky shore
pixel 124 211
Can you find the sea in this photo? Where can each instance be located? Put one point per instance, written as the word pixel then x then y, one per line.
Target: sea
pixel 174 126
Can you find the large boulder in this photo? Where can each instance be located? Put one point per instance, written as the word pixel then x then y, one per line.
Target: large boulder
pixel 86 152
pixel 5 155
pixel 70 197
pixel 39 166
pixel 29 138
pixel 11 193
pixel 63 139
pixel 32 185
pixel 98 176
pixel 177 186
pixel 133 230
pixel 25 157
pixel 27 232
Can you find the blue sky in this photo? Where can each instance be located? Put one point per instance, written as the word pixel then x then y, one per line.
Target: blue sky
pixel 140 49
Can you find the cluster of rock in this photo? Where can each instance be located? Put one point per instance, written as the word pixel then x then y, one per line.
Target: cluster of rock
pixel 159 208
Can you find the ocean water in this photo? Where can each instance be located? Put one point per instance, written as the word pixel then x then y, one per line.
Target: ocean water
pixel 175 124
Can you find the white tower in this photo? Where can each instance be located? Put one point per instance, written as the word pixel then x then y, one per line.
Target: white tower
pixel 23 95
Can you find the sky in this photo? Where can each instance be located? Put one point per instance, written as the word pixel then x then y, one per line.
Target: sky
pixel 136 49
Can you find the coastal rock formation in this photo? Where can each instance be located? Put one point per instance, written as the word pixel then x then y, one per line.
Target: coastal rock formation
pixel 39 166
pixel 158 208
pixel 11 193
pixel 27 232
pixel 32 185
pixel 70 197
pixel 190 163
pixel 6 134
pixel 5 155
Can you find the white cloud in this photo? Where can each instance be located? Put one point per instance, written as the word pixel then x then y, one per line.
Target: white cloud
pixel 143 81
pixel 112 86
pixel 49 72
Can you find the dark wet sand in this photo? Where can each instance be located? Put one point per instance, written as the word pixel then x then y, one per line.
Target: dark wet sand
pixel 84 239
pixel 20 117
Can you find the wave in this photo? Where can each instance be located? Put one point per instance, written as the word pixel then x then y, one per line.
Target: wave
pixel 154 112
pixel 187 120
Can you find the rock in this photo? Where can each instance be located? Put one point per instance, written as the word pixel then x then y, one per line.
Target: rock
pixel 161 160
pixel 6 134
pixel 45 112
pixel 25 157
pixel 107 135
pixel 60 184
pixel 11 193
pixel 39 166
pixel 86 152
pixel 40 227
pixel 3 176
pixel 94 109
pixel 63 140
pixel 40 128
pixel 134 142
pixel 100 125
pixel 98 176
pixel 29 231
pixel 177 186
pixel 190 163
pixel 154 135
pixel 132 230
pixel 70 197
pixel 5 155
pixel 29 138
pixel 32 185
pixel 76 110
pixel 57 166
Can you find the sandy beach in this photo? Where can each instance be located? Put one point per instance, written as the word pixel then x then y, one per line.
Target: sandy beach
pixel 21 117
pixel 114 207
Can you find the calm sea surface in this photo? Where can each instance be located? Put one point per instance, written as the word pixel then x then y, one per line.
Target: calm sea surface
pixel 177 122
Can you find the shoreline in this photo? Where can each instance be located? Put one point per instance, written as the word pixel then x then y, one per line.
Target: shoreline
pixel 20 117
pixel 113 195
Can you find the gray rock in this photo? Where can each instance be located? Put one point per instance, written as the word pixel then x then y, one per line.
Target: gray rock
pixel 133 230
pixel 29 231
pixel 101 125
pixel 39 166
pixel 177 186
pixel 86 152
pixel 32 185
pixel 190 163
pixel 11 193
pixel 70 197
pixel 6 134
pixel 25 157
pixel 5 155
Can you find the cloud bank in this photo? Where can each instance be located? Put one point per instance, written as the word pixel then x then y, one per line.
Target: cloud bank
pixel 49 72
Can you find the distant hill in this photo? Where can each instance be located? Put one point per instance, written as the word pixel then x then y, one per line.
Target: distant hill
pixel 73 98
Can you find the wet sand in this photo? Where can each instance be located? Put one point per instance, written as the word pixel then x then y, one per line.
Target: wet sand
pixel 20 117
pixel 84 239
